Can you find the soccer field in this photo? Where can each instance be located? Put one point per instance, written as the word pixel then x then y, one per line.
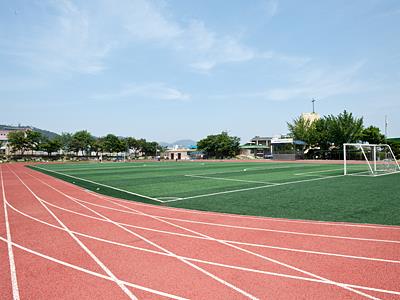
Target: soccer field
pixel 284 190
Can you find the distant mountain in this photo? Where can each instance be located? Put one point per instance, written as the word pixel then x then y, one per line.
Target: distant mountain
pixel 181 143
pixel 46 133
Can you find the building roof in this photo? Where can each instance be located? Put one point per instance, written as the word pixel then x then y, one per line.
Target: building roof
pixel 181 150
pixel 287 141
pixel 254 147
pixel 261 138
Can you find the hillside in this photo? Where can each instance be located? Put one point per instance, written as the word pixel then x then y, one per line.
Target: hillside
pixel 46 133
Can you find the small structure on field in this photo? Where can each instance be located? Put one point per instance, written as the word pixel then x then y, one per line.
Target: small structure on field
pixel 287 148
pixel 178 153
pixel 279 147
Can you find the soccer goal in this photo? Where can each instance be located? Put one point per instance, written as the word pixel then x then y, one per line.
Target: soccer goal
pixel 369 160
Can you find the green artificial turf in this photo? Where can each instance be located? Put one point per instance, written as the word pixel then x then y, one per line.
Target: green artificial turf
pixel 285 190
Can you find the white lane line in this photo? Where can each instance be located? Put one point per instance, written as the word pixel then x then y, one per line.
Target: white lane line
pixel 254 188
pixel 227 215
pixel 312 172
pixel 232 226
pixel 260 256
pixel 199 237
pixel 235 216
pixel 228 241
pixel 228 179
pixel 216 278
pixel 199 260
pixel 101 184
pixel 66 264
pixel 13 272
pixel 80 243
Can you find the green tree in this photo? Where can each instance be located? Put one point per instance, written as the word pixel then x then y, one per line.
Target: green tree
pixel 395 145
pixel 345 128
pixel 65 140
pixel 98 146
pixel 372 135
pixel 18 141
pixel 220 145
pixel 322 136
pixel 150 148
pixel 50 146
pixel 132 144
pixel 33 140
pixel 304 130
pixel 112 144
pixel 82 141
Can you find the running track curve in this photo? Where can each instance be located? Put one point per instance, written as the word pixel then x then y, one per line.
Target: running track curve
pixel 59 241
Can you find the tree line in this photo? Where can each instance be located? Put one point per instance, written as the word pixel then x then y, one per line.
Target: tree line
pixel 81 142
pixel 328 133
pixel 332 131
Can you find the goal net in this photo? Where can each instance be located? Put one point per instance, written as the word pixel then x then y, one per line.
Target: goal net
pixel 369 160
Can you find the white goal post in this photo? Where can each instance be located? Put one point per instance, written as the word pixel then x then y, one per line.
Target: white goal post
pixel 369 160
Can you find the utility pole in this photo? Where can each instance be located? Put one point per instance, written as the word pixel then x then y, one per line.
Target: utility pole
pixel 386 125
pixel 313 101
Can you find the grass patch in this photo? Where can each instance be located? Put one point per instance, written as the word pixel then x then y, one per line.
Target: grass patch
pixel 303 191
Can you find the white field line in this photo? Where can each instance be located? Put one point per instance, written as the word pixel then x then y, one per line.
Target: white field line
pixel 102 168
pixel 396 172
pixel 264 257
pixel 219 224
pixel 101 184
pixel 234 216
pixel 198 260
pixel 370 175
pixel 119 167
pixel 13 272
pixel 253 169
pixel 216 278
pixel 228 215
pixel 75 267
pixel 142 165
pixel 254 188
pixel 228 241
pixel 228 179
pixel 323 171
pixel 80 243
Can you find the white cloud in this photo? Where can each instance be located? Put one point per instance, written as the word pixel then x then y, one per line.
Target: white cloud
pixel 149 90
pixel 79 37
pixel 62 40
pixel 312 82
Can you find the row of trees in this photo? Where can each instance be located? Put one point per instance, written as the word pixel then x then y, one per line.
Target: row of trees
pixel 327 133
pixel 220 145
pixel 80 142
pixel 331 132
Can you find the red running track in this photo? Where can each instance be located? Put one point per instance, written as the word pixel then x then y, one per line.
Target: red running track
pixel 59 241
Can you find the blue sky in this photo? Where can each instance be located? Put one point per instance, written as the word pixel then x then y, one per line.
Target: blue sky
pixel 167 70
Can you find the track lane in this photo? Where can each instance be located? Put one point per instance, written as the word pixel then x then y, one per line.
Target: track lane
pixel 236 274
pixel 228 288
pixel 79 242
pixel 235 267
pixel 277 262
